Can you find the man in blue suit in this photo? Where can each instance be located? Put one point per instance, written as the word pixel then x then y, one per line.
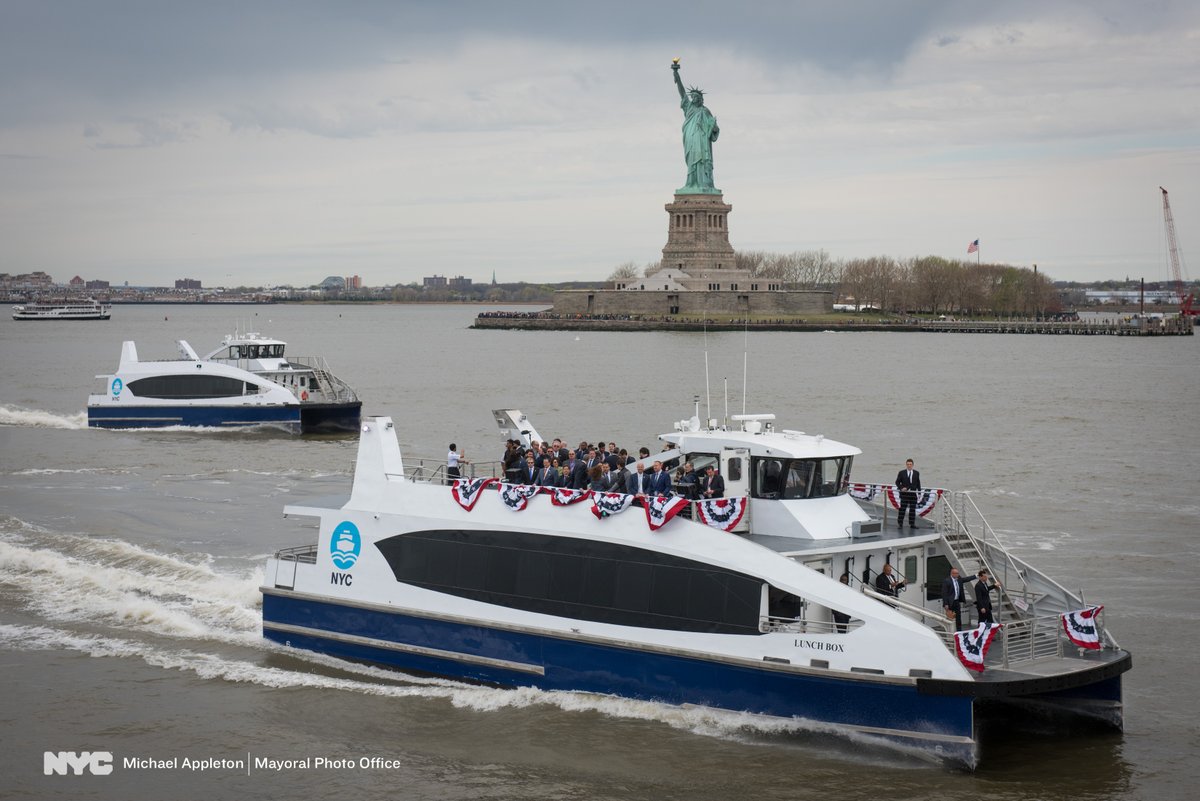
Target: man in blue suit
pixel 547 475
pixel 660 481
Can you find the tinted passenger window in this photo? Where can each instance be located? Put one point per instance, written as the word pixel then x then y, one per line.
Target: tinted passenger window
pixel 187 386
pixel 578 578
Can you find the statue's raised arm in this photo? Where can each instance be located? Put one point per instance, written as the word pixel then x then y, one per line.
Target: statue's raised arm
pixel 699 132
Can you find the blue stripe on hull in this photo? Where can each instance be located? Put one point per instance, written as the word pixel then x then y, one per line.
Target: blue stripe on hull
pixel 590 667
pixel 214 416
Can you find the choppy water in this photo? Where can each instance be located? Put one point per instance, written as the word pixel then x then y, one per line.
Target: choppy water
pixel 130 561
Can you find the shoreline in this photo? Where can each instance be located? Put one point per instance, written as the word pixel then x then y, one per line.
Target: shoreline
pixel 1138 327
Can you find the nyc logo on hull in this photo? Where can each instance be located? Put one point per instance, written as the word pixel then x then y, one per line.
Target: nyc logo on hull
pixel 344 547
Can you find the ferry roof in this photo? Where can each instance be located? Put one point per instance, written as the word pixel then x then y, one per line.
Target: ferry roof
pixel 784 444
pixel 250 338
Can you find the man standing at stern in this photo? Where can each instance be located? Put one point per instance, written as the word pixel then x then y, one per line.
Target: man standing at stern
pixel 908 482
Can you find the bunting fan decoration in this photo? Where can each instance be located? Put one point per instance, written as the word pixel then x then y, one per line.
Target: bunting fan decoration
pixel 607 504
pixel 722 513
pixel 972 645
pixel 1081 629
pixel 516 496
pixel 864 492
pixel 661 509
pixel 561 496
pixel 467 490
pixel 926 499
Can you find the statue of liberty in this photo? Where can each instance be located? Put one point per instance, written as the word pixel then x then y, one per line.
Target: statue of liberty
pixel 699 132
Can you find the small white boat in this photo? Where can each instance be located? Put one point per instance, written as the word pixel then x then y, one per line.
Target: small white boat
pixel 62 310
pixel 247 381
pixel 737 606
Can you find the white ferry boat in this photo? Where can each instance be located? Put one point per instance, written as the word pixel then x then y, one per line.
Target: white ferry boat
pixel 733 604
pixel 247 381
pixel 62 310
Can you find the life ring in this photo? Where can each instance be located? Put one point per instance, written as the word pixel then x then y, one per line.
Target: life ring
pixel 304 395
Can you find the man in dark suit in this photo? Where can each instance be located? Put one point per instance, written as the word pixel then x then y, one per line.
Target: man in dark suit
pixel 712 486
pixel 953 597
pixel 576 473
pixel 528 474
pixel 983 596
pixel 908 481
pixel 886 582
pixel 638 482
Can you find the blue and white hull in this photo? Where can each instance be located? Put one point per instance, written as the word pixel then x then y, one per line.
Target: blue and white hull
pixel 475 652
pixel 247 382
pixel 131 416
pixel 410 574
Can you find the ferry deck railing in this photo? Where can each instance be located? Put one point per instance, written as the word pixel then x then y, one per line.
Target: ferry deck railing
pixel 335 389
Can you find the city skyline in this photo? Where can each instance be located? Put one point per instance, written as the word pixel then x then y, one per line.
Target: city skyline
pixel 278 143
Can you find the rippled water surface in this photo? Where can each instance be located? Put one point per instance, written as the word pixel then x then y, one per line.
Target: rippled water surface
pixel 130 561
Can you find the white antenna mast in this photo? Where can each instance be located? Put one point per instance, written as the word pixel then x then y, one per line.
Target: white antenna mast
pixel 707 392
pixel 745 362
pixel 725 421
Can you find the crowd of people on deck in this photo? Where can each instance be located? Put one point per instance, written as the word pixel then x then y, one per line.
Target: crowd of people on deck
pixel 641 318
pixel 604 467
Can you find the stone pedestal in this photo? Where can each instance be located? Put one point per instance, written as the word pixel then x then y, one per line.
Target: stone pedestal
pixel 698 242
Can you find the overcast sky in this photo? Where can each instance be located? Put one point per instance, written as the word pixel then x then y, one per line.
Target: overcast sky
pixel 281 142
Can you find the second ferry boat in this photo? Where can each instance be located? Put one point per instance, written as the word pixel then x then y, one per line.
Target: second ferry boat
pixel 247 381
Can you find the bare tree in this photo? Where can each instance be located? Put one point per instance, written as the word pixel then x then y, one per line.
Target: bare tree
pixel 625 272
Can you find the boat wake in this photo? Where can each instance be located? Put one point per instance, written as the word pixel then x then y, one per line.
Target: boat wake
pixel 107 598
pixel 78 579
pixel 376 682
pixel 35 418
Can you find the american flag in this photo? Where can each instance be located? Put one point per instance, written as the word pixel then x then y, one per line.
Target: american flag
pixel 974 246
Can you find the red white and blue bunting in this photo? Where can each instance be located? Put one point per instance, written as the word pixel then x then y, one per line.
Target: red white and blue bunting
pixel 865 492
pixel 1081 627
pixel 722 513
pixel 516 496
pixel 660 509
pixel 972 645
pixel 607 504
pixel 926 499
pixel 467 490
pixel 561 496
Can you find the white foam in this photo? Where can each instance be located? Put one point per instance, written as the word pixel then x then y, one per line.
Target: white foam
pixel 73 578
pixel 36 418
pixel 54 471
pixel 702 721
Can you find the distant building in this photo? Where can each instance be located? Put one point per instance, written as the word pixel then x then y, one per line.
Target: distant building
pixel 97 284
pixel 458 282
pixel 25 282
pixel 1132 296
pixel 75 283
pixel 187 283
pixel 353 282
pixel 435 280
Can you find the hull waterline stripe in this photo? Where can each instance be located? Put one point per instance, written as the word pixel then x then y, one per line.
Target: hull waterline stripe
pixel 436 653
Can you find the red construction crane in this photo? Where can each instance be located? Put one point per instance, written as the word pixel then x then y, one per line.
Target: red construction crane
pixel 1185 301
